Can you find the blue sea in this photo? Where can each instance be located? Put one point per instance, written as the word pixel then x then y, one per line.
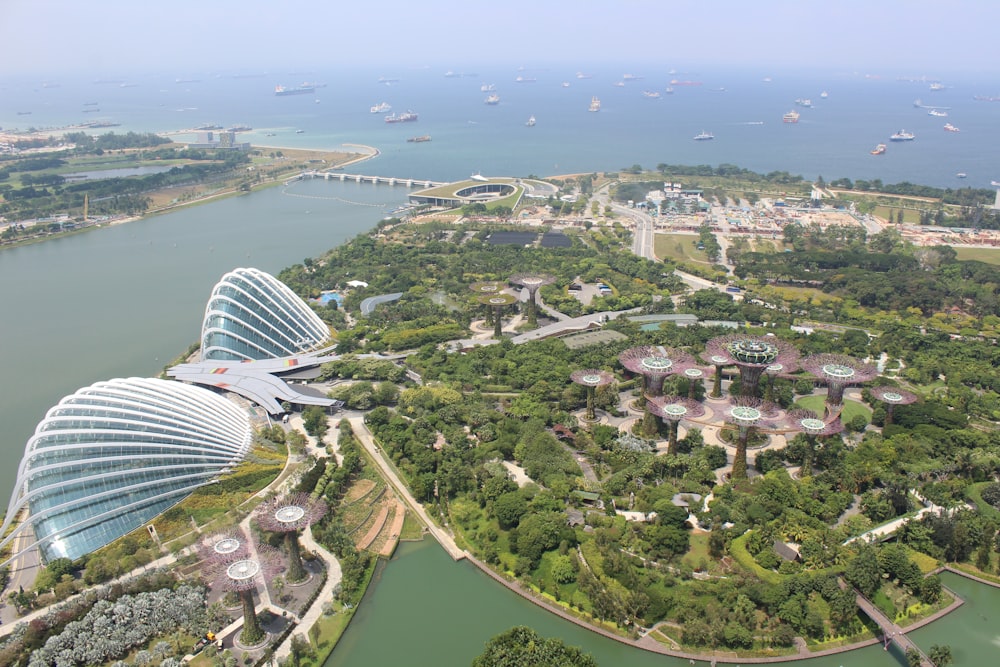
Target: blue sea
pixel 742 108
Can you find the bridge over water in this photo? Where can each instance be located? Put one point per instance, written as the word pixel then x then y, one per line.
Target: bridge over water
pixel 891 633
pixel 362 178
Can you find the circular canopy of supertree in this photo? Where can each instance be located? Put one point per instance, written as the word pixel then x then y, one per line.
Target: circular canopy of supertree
pixel 592 377
pixel 655 363
pixel 752 411
pixel 241 570
pixel 290 513
pixel 675 408
pixel 838 371
pixel 224 543
pixel 894 395
pixel 747 350
pixel 532 281
pixel 751 354
pixel 497 299
pixel 486 287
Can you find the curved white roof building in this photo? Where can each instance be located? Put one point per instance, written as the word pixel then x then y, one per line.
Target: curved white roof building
pixel 113 456
pixel 252 315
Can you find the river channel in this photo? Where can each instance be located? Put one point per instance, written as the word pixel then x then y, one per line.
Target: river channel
pixel 125 300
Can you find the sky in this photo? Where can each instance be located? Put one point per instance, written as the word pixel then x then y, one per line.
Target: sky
pixel 179 36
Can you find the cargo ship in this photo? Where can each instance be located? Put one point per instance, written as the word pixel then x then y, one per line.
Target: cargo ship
pixel 281 91
pixel 407 117
pixel 704 136
pixel 595 104
pixel 790 117
pixel 493 99
pixel 951 128
pixel 902 135
pixel 420 139
pixel 383 107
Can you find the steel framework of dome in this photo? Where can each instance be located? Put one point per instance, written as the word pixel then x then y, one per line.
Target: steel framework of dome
pixel 532 282
pixel 838 371
pixel 289 515
pixel 251 315
pixel 591 379
pixel 673 409
pixel 751 354
pixel 893 396
pixel 112 456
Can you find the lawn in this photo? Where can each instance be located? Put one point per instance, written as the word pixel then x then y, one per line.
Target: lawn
pixel 851 408
pixel 679 247
pixel 988 255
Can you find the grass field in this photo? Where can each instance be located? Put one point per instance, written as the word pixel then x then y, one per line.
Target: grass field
pixel 679 247
pixel 988 255
pixel 851 408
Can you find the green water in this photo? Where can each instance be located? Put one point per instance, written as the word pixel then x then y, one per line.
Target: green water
pixel 427 611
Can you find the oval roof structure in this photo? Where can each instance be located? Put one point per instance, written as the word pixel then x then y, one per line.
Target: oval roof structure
pixel 114 455
pixel 251 315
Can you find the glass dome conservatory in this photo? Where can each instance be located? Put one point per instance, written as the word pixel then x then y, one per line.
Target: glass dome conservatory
pixel 252 315
pixel 113 456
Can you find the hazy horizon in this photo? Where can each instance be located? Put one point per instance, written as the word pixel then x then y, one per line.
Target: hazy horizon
pixel 889 37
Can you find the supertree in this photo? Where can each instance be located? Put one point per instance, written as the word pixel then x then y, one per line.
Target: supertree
pixel 893 396
pixel 745 414
pixel 655 363
pixel 532 282
pixel 694 376
pixel 289 515
pixel 719 361
pixel 236 567
pixel 591 379
pixel 812 427
pixel 673 409
pixel 497 301
pixel 838 371
pixel 751 354
pixel 484 288
pixel 788 365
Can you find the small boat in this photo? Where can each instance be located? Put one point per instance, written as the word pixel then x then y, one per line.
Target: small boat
pixel 804 102
pixel 902 135
pixel 420 139
pixel 937 112
pixel 565 84
pixel 595 104
pixel 630 77
pixel 669 90
pixel 878 150
pixel 531 121
pixel 937 86
pixel 951 128
pixel 824 95
pixel 704 136
pixel 525 79
pixel 581 75
pixel 620 84
pixel 790 117
pixel 487 88
pixel 382 107
pixel 651 94
pixel 493 99
pixel 299 131
pixel 961 174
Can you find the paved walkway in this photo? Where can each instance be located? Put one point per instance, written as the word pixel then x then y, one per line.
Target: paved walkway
pixel 368 442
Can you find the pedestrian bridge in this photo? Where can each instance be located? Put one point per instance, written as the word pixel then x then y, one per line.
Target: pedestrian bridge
pixel 362 178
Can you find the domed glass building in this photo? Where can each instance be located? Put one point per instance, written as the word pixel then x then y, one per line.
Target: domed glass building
pixel 252 315
pixel 113 456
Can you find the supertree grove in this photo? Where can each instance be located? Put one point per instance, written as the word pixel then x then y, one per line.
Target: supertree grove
pixel 838 371
pixel 532 282
pixel 673 409
pixel 591 379
pixel 497 301
pixel 289 515
pixel 751 354
pixel 893 396
pixel 236 567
